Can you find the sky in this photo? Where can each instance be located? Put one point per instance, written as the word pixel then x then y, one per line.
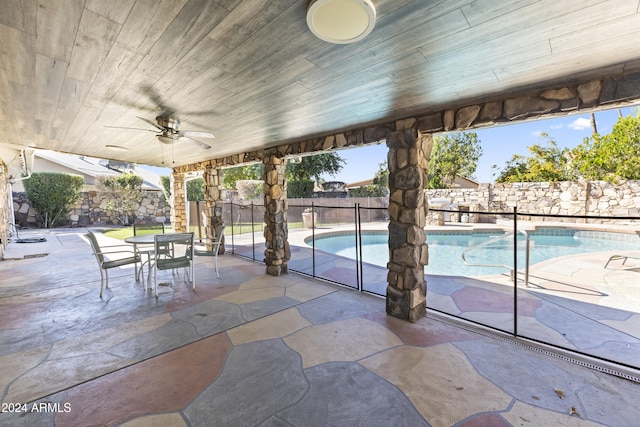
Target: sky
pixel 499 144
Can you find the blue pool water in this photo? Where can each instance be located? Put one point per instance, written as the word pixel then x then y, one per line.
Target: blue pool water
pixel 445 249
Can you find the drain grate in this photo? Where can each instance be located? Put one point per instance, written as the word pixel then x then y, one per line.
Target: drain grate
pixel 35 256
pixel 556 354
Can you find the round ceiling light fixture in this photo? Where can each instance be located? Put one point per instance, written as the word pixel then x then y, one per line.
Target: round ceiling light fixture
pixel 341 21
pixel 166 139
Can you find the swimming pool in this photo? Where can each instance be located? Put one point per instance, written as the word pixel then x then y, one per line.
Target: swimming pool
pixel 446 248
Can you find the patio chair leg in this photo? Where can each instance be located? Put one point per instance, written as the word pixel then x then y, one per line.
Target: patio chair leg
pixel 155 281
pixel 101 282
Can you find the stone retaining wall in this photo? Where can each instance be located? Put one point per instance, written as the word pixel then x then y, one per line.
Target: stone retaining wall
pixel 87 212
pixel 594 198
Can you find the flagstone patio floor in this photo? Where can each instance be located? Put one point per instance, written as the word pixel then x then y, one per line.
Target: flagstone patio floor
pixel 250 349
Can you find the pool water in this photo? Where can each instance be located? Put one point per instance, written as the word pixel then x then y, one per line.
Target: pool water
pixel 445 249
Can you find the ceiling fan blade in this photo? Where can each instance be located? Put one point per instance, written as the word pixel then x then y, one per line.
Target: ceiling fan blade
pixel 200 143
pixel 155 125
pixel 120 127
pixel 196 134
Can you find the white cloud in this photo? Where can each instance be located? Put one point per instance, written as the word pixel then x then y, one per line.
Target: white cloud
pixel 580 124
pixel 537 133
pixel 557 126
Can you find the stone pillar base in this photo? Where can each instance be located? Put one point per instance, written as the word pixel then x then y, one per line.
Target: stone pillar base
pixel 398 305
pixel 277 270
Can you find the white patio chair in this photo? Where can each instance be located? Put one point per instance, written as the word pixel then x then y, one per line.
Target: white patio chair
pixel 111 256
pixel 211 248
pixel 173 250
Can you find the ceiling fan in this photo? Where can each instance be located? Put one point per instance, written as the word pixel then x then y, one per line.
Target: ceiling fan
pixel 167 131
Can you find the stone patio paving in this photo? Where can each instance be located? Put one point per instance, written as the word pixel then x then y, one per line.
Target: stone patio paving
pixel 252 349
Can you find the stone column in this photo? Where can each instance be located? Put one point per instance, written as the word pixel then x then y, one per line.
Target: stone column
pixel 213 205
pixel 179 205
pixel 408 157
pixel 277 252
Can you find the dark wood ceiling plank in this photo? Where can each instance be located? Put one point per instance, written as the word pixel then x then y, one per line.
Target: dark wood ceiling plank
pixel 275 35
pixel 390 48
pixel 405 28
pixel 248 17
pixel 196 19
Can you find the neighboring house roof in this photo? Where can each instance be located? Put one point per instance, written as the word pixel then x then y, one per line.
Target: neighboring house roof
pixel 94 167
pixel 462 182
pixel 360 183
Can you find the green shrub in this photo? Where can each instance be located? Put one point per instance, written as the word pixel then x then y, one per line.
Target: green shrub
pixel 120 193
pixel 52 195
pixel 299 189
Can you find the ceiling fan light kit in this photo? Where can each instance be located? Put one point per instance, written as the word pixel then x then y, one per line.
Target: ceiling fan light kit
pixel 166 139
pixel 341 21
pixel 169 132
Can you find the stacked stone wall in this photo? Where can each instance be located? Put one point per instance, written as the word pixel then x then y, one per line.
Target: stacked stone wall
pixel 573 198
pixel 4 208
pixel 153 207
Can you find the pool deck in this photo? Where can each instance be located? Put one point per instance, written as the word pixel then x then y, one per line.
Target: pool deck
pixel 252 349
pixel 572 302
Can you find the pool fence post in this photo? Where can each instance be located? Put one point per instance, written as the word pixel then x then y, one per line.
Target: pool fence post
pixel 253 236
pixel 359 279
pixel 515 271
pixel 233 246
pixel 313 239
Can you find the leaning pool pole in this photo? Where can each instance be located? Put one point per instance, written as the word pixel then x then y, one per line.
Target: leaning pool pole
pixel 253 234
pixel 313 239
pixel 515 271
pixel 233 244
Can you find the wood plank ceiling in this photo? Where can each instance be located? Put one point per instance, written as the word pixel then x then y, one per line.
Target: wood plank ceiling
pixel 251 72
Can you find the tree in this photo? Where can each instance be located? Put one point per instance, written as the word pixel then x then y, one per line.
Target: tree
pixel 611 157
pixel 250 189
pixel 380 186
pixel 121 193
pixel 453 154
pixel 52 195
pixel 165 182
pixel 195 190
pixel 301 175
pixel 547 163
pixel 248 172
pixel 312 167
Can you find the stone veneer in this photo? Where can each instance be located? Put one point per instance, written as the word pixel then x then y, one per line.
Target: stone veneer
pixel 616 90
pixel 277 252
pixel 179 198
pixel 610 92
pixel 213 205
pixel 593 198
pixel 152 207
pixel 408 157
